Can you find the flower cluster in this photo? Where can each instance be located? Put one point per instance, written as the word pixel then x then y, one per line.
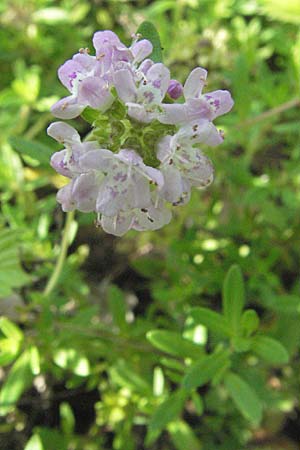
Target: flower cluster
pixel 143 151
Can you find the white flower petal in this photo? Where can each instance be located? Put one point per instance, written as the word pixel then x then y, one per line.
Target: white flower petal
pixel 195 83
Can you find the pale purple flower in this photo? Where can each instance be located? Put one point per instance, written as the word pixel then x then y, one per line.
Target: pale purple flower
pixel 80 75
pixel 66 161
pixel 155 216
pixel 197 106
pixel 143 98
pixel 127 182
pixel 182 166
pixel 112 53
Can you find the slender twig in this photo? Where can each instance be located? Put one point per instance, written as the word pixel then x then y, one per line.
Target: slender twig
pixel 270 113
pixel 62 255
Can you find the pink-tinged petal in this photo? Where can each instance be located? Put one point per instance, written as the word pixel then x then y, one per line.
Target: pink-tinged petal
pixel 110 200
pixel 85 191
pixel 173 188
pixel 94 92
pixel 105 38
pixel 173 114
pixel 195 83
pixel 117 225
pixel 62 132
pixel 67 108
pixel 164 149
pixel 121 54
pixel 175 89
pixel 145 66
pixel 141 50
pixel 198 108
pixel 64 197
pixel 159 76
pixel 100 159
pixel 125 85
pixel 139 193
pixel 201 131
pixel 129 157
pixel 202 172
pixel 58 163
pixel 87 62
pixel 220 102
pixel 67 73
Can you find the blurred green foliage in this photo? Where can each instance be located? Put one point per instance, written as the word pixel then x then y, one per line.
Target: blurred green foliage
pixel 186 338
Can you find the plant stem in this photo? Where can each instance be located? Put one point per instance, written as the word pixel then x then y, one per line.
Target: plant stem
pixel 62 255
pixel 271 112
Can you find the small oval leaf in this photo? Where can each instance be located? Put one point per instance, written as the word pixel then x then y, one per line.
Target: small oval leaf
pixel 174 344
pixel 244 397
pixel 211 320
pixel 269 349
pixel 148 31
pixel 204 370
pixel 233 296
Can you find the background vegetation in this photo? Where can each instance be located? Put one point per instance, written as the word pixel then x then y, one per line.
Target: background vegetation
pixel 154 341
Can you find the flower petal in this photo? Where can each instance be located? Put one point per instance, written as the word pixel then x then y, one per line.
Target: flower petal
pixel 58 163
pixel 125 85
pixel 85 191
pixel 195 83
pixel 67 108
pixel 141 50
pixel 159 76
pixel 105 38
pixel 94 92
pixel 152 218
pixel 62 132
pixel 220 102
pixel 173 114
pixel 100 159
pixel 64 197
pixel 173 187
pixel 117 225
pixel 67 73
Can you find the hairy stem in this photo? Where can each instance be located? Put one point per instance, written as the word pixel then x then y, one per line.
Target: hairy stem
pixel 62 255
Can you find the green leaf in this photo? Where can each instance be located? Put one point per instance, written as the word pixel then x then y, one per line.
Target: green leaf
pixel 67 418
pixel 249 322
pixel 174 344
pixel 269 349
pixel 283 11
pixel 205 369
pixel 148 31
pixel 244 397
pixel 287 304
pixel 34 443
pixel 210 319
pixel 9 349
pixel 126 376
pixel 166 412
pixel 34 149
pixel 10 330
pixel 233 297
pixel 11 273
pixel 17 381
pixel 117 306
pixel 183 437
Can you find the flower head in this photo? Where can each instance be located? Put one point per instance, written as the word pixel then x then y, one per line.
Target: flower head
pixel 142 155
